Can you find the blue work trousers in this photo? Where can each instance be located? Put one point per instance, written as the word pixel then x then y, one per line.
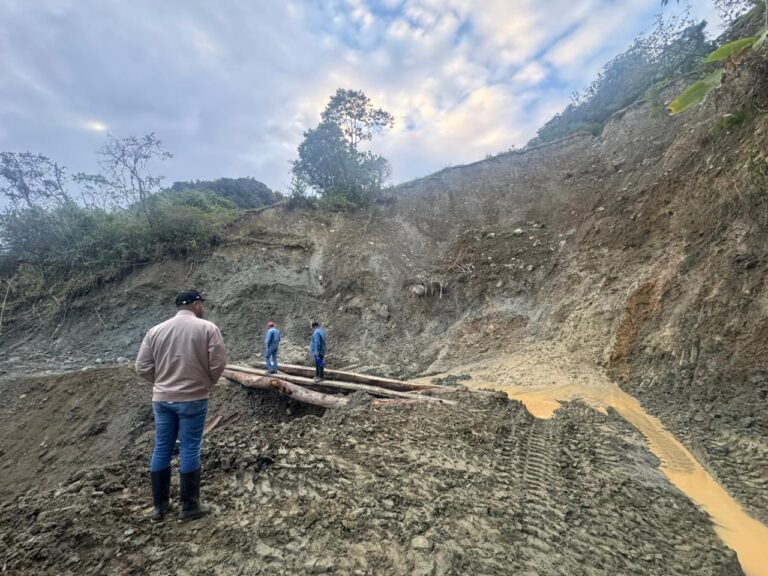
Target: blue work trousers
pixel 185 420
pixel 319 366
pixel 270 359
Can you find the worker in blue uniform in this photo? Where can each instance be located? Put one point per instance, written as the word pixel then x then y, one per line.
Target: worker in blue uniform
pixel 317 350
pixel 271 344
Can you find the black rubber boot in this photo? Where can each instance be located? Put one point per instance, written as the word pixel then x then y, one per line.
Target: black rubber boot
pixel 161 494
pixel 191 507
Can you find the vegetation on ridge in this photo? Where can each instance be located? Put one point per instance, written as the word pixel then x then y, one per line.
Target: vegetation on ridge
pixel 729 55
pixel 64 232
pixel 247 193
pixel 674 47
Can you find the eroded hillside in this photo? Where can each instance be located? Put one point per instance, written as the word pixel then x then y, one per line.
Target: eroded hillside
pixel 641 251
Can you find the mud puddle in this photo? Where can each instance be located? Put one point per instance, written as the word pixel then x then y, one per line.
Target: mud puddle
pixel 556 382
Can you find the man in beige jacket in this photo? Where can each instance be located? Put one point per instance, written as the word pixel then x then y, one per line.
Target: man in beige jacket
pixel 183 358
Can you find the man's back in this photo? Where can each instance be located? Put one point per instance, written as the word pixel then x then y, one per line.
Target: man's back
pixel 183 357
pixel 317 345
pixel 272 338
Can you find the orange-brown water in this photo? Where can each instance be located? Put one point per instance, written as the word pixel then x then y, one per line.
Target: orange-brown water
pixel 559 380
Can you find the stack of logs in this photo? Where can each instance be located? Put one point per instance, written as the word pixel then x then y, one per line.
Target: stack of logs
pixel 297 382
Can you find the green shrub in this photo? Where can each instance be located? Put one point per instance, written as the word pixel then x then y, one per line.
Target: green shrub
pixel 71 244
pixel 244 193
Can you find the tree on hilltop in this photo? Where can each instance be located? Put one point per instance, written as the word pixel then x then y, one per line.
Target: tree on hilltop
pixel 126 163
pixel 330 162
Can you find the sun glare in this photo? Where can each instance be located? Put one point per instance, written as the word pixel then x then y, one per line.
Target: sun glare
pixel 95 126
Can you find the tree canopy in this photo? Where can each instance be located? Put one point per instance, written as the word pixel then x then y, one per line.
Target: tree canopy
pixel 31 180
pixel 126 162
pixel 330 162
pixel 353 113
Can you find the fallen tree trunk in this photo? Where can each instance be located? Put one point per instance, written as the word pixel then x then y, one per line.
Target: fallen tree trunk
pixel 289 389
pixel 342 376
pixel 347 386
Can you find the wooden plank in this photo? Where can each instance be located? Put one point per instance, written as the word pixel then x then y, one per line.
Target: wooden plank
pixel 347 386
pixel 342 376
pixel 212 424
pixel 219 422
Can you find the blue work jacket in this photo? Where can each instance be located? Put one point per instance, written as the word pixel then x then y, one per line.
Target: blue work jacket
pixel 317 344
pixel 272 339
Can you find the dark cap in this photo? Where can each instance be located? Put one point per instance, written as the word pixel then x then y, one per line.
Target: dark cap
pixel 188 296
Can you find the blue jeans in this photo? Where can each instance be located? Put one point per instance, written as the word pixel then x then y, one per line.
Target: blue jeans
pixel 185 420
pixel 271 360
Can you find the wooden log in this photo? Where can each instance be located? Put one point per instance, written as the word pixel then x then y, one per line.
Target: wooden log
pixel 347 386
pixel 289 389
pixel 442 390
pixel 342 376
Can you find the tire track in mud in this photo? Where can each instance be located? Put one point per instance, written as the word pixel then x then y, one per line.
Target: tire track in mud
pixel 541 518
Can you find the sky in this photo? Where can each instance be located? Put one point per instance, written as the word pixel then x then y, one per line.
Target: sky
pixel 230 86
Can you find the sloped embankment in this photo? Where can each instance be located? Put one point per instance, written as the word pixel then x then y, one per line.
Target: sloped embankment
pixel 645 253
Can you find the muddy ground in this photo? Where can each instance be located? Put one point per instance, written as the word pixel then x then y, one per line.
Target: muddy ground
pixel 480 487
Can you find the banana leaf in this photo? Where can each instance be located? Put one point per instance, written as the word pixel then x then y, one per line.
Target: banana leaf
pixel 731 49
pixel 696 92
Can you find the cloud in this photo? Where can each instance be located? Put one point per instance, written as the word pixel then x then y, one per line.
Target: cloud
pixel 597 31
pixel 531 73
pixel 230 88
